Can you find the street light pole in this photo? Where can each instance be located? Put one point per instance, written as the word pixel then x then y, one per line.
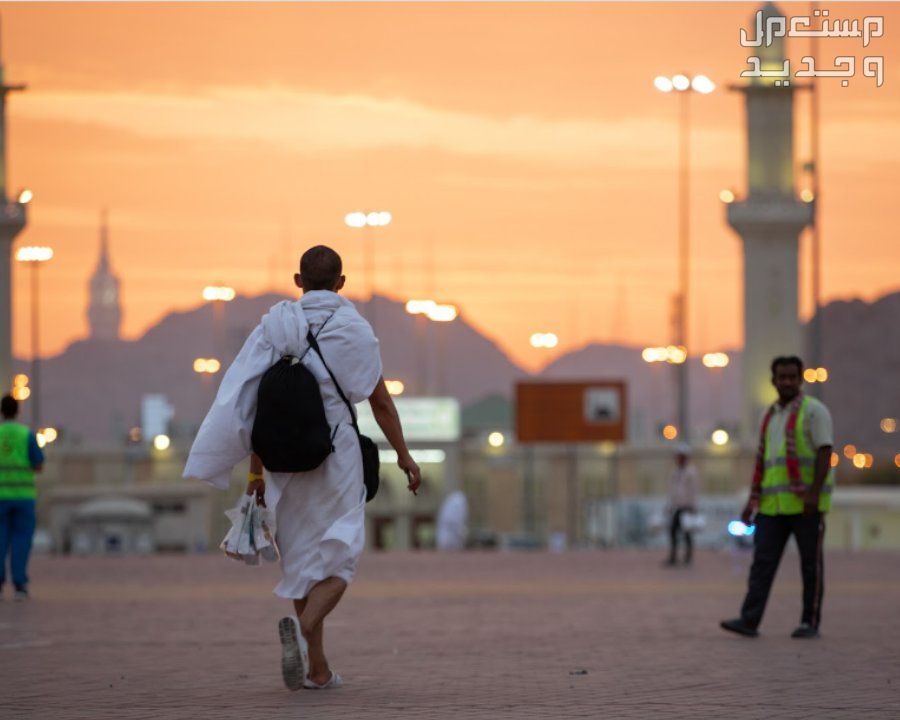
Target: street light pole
pixel 369 271
pixel 684 86
pixel 366 221
pixel 684 254
pixel 218 295
pixel 35 349
pixel 34 256
pixel 816 349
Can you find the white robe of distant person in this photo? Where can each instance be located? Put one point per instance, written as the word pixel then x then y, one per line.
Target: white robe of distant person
pixel 320 514
pixel 451 522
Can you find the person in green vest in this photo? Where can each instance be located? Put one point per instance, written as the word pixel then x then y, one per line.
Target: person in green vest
pixel 790 495
pixel 20 458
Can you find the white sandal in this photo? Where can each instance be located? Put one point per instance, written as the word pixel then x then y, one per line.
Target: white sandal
pixel 294 653
pixel 335 681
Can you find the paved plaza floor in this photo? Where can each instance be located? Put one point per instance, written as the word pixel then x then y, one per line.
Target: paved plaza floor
pixel 476 635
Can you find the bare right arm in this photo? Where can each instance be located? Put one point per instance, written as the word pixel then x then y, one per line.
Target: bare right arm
pixel 388 420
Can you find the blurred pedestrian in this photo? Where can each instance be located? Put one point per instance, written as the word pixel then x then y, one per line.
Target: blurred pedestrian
pixel 682 501
pixel 20 458
pixel 320 513
pixel 452 522
pixel 790 494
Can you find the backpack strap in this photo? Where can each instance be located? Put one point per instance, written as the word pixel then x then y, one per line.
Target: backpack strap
pixel 314 344
pixel 309 333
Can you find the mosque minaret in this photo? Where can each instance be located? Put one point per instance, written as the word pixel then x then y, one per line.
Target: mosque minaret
pixel 104 311
pixel 769 221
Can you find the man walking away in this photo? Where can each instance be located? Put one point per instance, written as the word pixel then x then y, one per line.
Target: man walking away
pixel 20 458
pixel 320 513
pixel 682 500
pixel 790 494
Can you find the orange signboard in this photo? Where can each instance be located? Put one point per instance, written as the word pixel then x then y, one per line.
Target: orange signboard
pixel 562 412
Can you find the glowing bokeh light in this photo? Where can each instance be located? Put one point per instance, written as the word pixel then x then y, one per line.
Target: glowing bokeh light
pixel 496 439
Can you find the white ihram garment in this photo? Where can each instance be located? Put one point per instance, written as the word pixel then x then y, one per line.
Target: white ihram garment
pixel 451 522
pixel 320 514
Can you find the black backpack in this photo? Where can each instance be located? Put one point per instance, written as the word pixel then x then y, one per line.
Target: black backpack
pixel 290 431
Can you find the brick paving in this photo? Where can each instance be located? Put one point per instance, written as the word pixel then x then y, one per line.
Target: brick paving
pixel 478 635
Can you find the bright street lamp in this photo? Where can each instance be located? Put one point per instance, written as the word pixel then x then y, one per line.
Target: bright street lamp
pixel 395 387
pixel 222 293
pixel 544 340
pixel 371 219
pixel 50 434
pixel 26 196
pixel 672 354
pixel 210 366
pixel 420 307
pixel 715 360
pixel 815 375
pixel 35 255
pixel 20 389
pixel 719 437
pixel 684 86
pixel 496 439
pixel 443 313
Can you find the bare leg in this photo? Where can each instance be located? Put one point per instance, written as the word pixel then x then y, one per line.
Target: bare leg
pixel 311 612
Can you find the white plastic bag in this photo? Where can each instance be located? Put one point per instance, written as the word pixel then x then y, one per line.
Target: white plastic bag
pixel 250 536
pixel 693 521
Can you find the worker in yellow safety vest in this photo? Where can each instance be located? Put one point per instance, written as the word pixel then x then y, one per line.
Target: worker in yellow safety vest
pixel 790 494
pixel 20 458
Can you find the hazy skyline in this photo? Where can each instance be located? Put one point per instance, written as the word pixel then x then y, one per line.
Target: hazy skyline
pixel 525 155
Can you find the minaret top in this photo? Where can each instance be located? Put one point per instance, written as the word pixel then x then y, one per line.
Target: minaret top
pixel 103 261
pixel 772 56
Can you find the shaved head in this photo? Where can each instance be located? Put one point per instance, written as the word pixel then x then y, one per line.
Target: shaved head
pixel 320 268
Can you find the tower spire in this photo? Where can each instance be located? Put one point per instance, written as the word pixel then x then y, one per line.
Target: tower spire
pixel 104 311
pixel 103 264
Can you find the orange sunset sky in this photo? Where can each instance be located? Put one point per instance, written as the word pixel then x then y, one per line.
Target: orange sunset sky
pixel 527 159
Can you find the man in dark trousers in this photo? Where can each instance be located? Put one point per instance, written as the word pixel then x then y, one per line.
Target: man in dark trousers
pixel 790 494
pixel 20 458
pixel 682 500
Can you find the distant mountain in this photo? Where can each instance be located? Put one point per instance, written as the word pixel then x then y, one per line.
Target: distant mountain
pixel 93 389
pixel 861 350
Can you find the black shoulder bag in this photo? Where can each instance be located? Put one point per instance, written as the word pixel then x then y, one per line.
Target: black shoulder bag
pixel 367 447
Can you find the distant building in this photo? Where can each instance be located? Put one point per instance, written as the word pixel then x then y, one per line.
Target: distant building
pixel 104 311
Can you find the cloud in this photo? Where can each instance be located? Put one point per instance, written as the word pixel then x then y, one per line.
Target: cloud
pixel 308 122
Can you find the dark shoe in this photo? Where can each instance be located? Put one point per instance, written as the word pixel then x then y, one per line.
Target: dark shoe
pixel 669 563
pixel 738 626
pixel 20 595
pixel 805 632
